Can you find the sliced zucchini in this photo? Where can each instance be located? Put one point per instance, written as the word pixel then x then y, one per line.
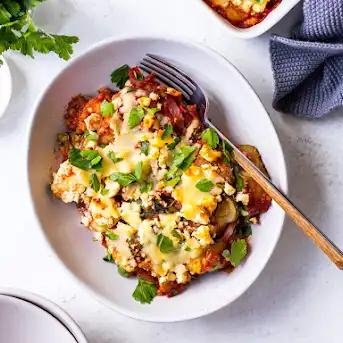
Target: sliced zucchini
pixel 226 213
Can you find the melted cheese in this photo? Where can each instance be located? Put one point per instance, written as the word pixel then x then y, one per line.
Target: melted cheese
pixel 130 212
pixel 196 205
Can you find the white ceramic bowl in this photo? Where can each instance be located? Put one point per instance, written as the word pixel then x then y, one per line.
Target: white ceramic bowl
pixel 32 308
pixel 238 112
pixel 5 86
pixel 274 17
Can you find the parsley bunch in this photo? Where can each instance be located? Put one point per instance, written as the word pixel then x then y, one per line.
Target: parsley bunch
pixel 19 33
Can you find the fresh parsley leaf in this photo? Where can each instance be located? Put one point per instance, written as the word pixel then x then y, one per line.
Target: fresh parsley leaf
pixel 19 33
pixel 145 291
pixel 204 185
pixel 120 76
pixel 187 248
pixel 103 145
pixel 123 179
pixel 106 108
pixel 164 243
pixel 244 231
pixel 238 252
pixel 111 235
pixel 91 136
pixel 147 187
pixel 177 235
pixel 172 146
pixel 94 182
pixel 173 182
pixel 130 90
pixel 108 257
pixel 239 179
pixel 122 272
pixel 168 130
pixel 113 158
pixel 135 117
pixel 145 148
pixel 104 191
pixel 138 170
pixel 179 159
pixel 210 137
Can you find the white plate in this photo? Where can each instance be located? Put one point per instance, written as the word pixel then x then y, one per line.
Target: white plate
pixel 5 86
pixel 240 114
pixel 23 322
pixel 273 18
pixel 49 307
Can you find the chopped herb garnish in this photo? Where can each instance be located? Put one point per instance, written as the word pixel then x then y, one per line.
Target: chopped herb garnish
pixel 145 148
pixel 94 182
pixel 172 146
pixel 164 243
pixel 239 179
pixel 122 272
pixel 91 136
pixel 238 252
pixel 123 179
pixel 210 137
pixel 106 108
pixel 138 76
pixel 177 235
pixel 227 150
pixel 130 90
pixel 120 76
pixel 135 117
pixel 168 130
pixel 138 171
pixel 205 185
pixel 111 235
pixel 173 182
pixel 145 291
pixel 181 160
pixel 85 159
pixel 108 257
pixel 187 248
pixel 113 158
pixel 152 111
pixel 147 187
pixel 104 191
pixel 103 145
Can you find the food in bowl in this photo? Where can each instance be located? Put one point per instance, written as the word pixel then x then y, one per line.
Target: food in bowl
pixel 160 191
pixel 243 13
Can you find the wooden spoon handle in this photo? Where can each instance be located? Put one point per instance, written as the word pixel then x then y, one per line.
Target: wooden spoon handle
pixel 313 232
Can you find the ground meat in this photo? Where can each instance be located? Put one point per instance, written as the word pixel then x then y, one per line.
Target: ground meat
pixel 74 110
pixel 226 172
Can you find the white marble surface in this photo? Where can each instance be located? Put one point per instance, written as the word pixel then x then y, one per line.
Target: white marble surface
pixel 297 298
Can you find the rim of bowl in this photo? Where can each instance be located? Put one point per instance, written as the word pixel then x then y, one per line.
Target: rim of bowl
pixel 93 293
pixel 50 307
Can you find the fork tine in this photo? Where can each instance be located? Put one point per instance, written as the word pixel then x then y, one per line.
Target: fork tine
pixel 173 70
pixel 163 70
pixel 165 80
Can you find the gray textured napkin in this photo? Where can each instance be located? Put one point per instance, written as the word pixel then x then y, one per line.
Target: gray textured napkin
pixel 308 67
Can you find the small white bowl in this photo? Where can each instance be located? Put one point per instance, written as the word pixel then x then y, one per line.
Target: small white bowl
pixel 234 107
pixel 5 86
pixel 257 30
pixel 34 307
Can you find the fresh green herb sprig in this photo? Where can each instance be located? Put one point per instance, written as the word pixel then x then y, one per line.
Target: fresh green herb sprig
pixel 19 33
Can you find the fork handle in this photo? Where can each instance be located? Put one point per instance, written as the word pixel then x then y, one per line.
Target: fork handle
pixel 313 232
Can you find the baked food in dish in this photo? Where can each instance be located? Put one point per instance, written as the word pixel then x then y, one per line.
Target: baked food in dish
pixel 243 13
pixel 160 191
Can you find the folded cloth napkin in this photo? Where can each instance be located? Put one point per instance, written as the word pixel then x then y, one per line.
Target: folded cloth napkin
pixel 308 67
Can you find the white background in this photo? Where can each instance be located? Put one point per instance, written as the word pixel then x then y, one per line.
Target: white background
pixel 299 295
